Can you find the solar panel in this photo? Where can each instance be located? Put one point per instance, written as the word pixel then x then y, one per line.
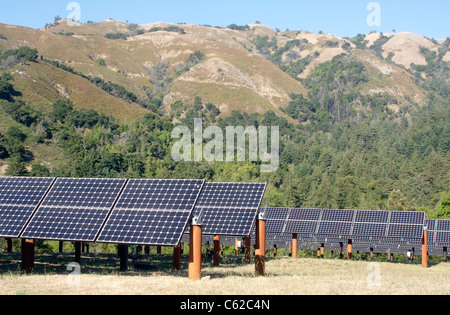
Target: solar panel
pixel 19 198
pixel 152 212
pixel 74 209
pixel 229 208
pixel 443 232
pixel 305 214
pixel 404 224
pixel 301 227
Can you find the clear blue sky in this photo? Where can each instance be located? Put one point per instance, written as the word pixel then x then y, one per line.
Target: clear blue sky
pixel 343 18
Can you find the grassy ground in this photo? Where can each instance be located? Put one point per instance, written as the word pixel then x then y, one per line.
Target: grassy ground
pixel 284 276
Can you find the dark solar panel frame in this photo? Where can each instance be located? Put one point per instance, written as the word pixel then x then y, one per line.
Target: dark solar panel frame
pixel 152 212
pixel 74 209
pixel 19 199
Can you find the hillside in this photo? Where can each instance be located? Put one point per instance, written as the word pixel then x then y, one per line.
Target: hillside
pixel 363 120
pixel 242 68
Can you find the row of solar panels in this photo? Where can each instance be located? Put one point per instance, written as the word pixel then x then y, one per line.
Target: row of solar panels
pixel 122 211
pixel 378 231
pixel 355 224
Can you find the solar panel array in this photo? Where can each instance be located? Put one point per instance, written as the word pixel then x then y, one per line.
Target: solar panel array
pixel 229 208
pixel 377 230
pixel 355 224
pixel 74 209
pixel 152 212
pixel 19 198
pixel 438 232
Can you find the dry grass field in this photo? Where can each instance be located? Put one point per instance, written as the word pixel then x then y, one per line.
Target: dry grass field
pixel 284 276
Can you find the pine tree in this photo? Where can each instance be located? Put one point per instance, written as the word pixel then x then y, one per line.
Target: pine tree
pixel 16 167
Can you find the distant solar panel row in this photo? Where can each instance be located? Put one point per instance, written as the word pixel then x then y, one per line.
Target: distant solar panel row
pixel 346 223
pixel 438 232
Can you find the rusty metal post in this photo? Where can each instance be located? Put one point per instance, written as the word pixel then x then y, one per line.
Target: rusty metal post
pixel 216 250
pixel 176 257
pixel 248 249
pixel 77 252
pixel 195 249
pixel 28 255
pixel 349 249
pixel 9 245
pixel 294 245
pixel 260 248
pixel 425 248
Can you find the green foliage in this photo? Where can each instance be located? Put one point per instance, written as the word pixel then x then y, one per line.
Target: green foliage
pixel 132 26
pixel 6 88
pixel 101 62
pixel 61 109
pixel 443 210
pixel 331 44
pixel 359 41
pixel 38 170
pixel 23 54
pixel 174 29
pixel 20 112
pixel 116 36
pixel 377 47
pixel 16 167
pixel 264 46
pixel 238 27
pixel 332 86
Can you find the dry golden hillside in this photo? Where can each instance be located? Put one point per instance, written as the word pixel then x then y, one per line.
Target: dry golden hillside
pixel 234 74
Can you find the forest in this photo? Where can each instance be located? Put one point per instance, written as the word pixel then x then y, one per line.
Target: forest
pixel 331 158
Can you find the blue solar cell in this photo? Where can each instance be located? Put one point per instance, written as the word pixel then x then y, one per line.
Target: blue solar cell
pixel 23 191
pixel 404 217
pixel 229 208
pixel 405 231
pixel 19 198
pixel 443 225
pixel 152 212
pixel 230 195
pixel 275 225
pixel 372 216
pixel 334 228
pixel 301 227
pixel 337 215
pixel 305 214
pixel 277 213
pixel 443 237
pixel 74 209
pixel 369 229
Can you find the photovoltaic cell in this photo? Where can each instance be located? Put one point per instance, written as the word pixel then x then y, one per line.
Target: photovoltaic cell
pixel 229 208
pixel 372 216
pixel 369 229
pixel 74 209
pixel 443 232
pixel 355 224
pixel 338 215
pixel 301 227
pixel 277 213
pixel 19 198
pixel 305 214
pixel 152 212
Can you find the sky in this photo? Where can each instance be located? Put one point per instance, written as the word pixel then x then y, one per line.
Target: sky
pixel 342 18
